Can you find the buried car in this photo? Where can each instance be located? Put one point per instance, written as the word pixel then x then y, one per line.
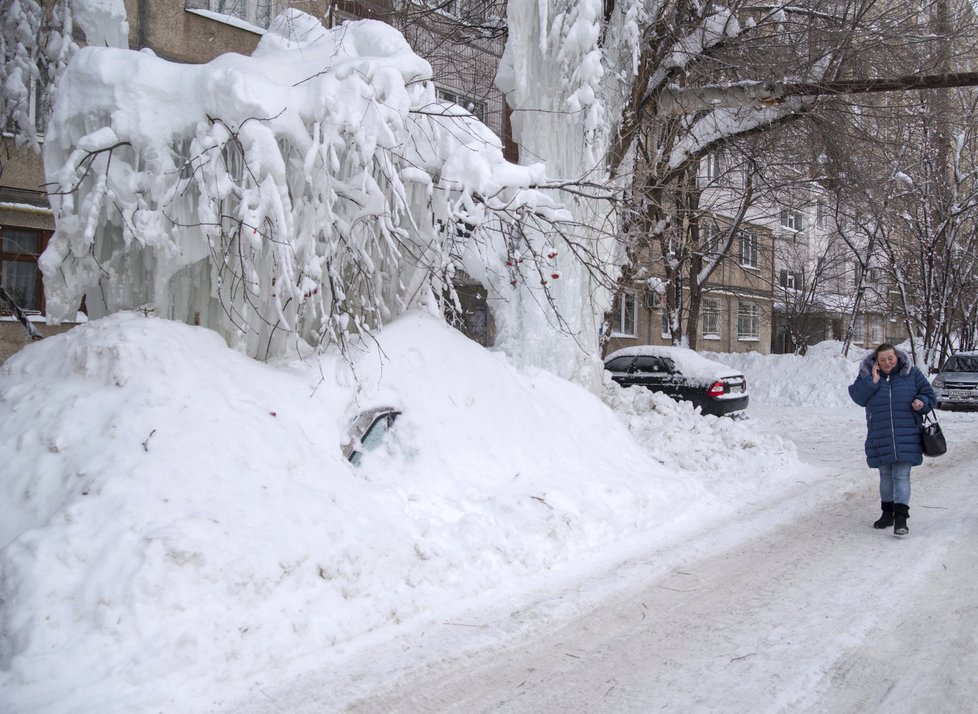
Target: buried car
pixel 368 431
pixel 957 382
pixel 682 374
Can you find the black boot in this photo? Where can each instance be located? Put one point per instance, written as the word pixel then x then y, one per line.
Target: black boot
pixel 886 520
pixel 901 512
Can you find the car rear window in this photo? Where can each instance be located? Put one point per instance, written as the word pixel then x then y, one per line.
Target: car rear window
pixel 619 364
pixel 647 363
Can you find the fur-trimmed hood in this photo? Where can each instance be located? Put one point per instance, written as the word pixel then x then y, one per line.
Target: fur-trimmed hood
pixel 903 363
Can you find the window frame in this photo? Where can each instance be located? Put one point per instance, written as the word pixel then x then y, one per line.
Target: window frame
pixel 876 331
pixel 711 313
pixel 792 219
pixel 480 107
pixel 620 316
pixel 748 253
pixel 37 307
pixel 244 10
pixel 748 322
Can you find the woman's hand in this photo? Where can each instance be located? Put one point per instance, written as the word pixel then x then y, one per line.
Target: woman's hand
pixel 917 405
pixel 876 373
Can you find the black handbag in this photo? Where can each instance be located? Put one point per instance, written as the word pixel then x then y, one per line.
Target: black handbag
pixel 932 437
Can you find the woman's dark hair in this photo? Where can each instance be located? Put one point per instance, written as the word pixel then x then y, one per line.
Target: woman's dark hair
pixel 884 347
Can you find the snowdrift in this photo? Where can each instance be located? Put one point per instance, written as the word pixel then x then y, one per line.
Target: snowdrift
pixel 177 518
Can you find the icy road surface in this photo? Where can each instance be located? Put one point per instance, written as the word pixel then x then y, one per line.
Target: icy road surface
pixel 811 610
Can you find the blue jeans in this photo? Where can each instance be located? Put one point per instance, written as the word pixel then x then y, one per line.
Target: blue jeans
pixel 895 482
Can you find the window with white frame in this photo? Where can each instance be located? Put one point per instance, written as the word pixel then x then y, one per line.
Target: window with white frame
pixel 792 280
pixel 820 215
pixel 665 328
pixel 859 331
pixel 748 321
pixel 711 318
pixel 476 107
pixel 714 166
pixel 792 219
pixel 876 334
pixel 748 249
pixel 623 314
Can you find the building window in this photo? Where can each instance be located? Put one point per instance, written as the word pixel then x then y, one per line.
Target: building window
pixel 624 315
pixel 468 10
pixel 748 321
pixel 475 107
pixel 877 331
pixel 259 13
pixel 859 331
pixel 665 329
pixel 711 318
pixel 748 249
pixel 791 219
pixel 792 280
pixel 19 250
pixel 714 166
pixel 872 275
pixel 820 215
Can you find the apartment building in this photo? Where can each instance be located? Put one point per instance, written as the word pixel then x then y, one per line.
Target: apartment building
pixel 458 39
pixel 735 304
pixel 819 263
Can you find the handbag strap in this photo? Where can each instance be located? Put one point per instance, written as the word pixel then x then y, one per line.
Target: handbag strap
pixel 930 417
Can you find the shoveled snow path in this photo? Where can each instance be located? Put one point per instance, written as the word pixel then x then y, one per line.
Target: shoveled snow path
pixel 811 610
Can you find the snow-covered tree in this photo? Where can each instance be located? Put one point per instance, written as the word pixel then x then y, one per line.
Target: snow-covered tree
pixel 36 42
pixel 305 194
pixel 640 91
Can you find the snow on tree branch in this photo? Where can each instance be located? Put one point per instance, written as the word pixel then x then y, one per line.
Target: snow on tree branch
pixel 312 191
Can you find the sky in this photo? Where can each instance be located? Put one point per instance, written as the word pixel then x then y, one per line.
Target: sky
pixel 177 519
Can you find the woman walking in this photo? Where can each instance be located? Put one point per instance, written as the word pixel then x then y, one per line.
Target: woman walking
pixel 896 395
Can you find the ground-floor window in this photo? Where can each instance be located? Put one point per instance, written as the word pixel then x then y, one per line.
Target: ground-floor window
pixel 711 318
pixel 877 331
pixel 748 321
pixel 19 275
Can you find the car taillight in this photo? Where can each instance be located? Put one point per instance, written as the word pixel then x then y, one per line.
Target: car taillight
pixel 715 390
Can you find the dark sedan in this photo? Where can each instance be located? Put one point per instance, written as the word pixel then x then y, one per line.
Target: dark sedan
pixel 681 374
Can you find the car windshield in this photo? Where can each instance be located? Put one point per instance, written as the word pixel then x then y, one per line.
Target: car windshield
pixel 961 363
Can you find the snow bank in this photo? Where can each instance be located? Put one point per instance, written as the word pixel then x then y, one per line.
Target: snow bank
pixel 177 520
pixel 820 379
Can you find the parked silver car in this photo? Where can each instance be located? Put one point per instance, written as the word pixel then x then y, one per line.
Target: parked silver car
pixel 957 383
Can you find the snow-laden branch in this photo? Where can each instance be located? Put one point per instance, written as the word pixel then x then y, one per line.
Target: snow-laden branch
pixel 312 191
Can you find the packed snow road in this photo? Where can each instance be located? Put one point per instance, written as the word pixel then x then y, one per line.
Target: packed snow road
pixel 794 604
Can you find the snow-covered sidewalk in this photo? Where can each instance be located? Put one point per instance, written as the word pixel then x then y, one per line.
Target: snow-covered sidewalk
pixel 792 604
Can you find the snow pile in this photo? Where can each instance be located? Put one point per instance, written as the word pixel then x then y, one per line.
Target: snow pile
pixel 312 191
pixel 820 379
pixel 177 519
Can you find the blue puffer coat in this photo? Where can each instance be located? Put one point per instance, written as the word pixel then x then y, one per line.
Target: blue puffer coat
pixel 892 425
